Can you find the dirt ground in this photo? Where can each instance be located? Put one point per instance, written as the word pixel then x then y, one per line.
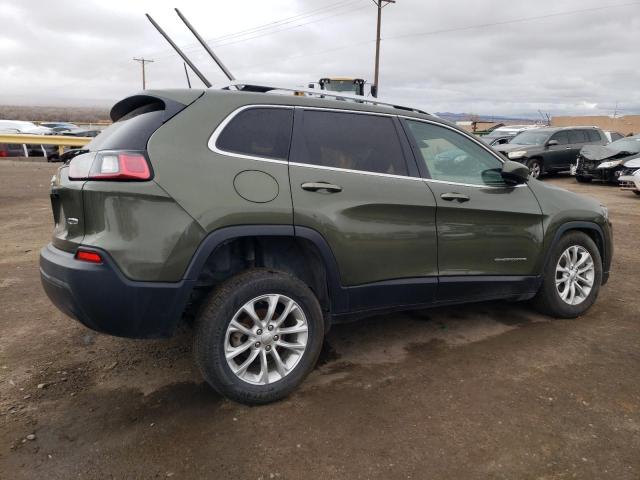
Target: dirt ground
pixel 489 390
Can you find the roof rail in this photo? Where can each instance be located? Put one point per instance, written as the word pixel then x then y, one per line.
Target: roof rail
pixel 253 87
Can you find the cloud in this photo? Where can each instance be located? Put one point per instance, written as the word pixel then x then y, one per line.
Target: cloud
pixel 464 55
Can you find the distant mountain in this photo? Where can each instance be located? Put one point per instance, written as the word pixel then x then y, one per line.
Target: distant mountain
pixel 459 117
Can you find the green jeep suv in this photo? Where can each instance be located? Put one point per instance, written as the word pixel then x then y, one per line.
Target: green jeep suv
pixel 267 216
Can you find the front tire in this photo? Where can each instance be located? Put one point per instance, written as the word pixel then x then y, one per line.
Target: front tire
pixel 572 277
pixel 258 335
pixel 535 167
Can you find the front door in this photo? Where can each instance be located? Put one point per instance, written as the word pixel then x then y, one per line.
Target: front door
pixel 351 183
pixel 558 156
pixel 489 233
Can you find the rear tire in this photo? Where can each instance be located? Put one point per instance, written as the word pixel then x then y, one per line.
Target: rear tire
pixel 569 287
pixel 581 179
pixel 636 192
pixel 281 360
pixel 535 167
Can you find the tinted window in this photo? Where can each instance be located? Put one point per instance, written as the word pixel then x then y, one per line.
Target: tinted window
pixel 593 136
pixel 452 157
pixel 259 132
pixel 577 136
pixel 352 141
pixel 530 138
pixel 561 137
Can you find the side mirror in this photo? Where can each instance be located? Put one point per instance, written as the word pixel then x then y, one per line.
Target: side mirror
pixel 515 173
pixel 551 143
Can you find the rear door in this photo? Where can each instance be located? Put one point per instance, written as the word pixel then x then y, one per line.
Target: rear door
pixel 351 182
pixel 489 233
pixel 577 139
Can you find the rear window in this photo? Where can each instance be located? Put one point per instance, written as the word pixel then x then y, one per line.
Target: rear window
pixel 351 141
pixel 132 131
pixel 258 132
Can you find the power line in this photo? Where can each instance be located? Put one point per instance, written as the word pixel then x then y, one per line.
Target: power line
pixel 436 32
pixel 507 22
pixel 272 25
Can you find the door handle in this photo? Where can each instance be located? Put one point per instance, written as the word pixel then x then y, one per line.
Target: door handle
pixel 458 197
pixel 315 186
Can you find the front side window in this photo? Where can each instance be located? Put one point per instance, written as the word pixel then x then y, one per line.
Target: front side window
pixel 351 141
pixel 258 132
pixel 561 137
pixel 450 156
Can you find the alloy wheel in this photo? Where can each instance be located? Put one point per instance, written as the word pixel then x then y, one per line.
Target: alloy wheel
pixel 266 339
pixel 535 169
pixel 575 274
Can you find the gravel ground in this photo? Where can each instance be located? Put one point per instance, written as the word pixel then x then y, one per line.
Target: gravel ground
pixel 490 390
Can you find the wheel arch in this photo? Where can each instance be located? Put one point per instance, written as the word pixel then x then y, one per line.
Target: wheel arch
pixel 593 230
pixel 301 252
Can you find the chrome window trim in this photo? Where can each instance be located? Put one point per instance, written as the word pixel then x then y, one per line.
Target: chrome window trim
pixel 361 172
pixel 211 144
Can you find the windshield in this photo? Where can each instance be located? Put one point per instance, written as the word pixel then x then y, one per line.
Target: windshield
pixel 341 86
pixel 530 138
pixel 630 144
pixel 500 133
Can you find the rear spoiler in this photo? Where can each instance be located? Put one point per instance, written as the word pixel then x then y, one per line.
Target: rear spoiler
pixel 172 102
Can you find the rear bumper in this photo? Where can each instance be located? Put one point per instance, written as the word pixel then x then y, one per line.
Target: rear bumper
pixel 102 298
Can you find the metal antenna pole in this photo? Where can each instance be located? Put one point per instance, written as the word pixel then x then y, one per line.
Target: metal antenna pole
pixel 206 46
pixel 180 52
pixel 186 72
pixel 379 4
pixel 143 62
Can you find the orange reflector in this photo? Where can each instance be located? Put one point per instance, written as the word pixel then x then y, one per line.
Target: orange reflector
pixel 86 256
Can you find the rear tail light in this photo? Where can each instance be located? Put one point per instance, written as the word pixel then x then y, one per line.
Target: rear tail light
pixel 88 256
pixel 112 165
pixel 4 153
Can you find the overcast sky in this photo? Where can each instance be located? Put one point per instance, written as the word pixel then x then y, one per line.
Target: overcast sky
pixel 500 57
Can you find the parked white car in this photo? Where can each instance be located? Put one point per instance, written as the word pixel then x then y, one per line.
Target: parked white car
pixel 21 126
pixel 630 177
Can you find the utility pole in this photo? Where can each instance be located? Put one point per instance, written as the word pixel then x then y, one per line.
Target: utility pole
pixel 380 4
pixel 143 62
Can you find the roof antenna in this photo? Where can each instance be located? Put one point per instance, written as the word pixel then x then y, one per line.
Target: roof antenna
pixel 186 72
pixel 206 46
pixel 180 52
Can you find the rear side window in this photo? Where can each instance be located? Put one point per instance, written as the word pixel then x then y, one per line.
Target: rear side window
pixel 258 132
pixel 351 141
pixel 577 136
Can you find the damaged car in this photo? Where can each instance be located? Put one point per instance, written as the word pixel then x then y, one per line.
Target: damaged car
pixel 606 162
pixel 630 175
